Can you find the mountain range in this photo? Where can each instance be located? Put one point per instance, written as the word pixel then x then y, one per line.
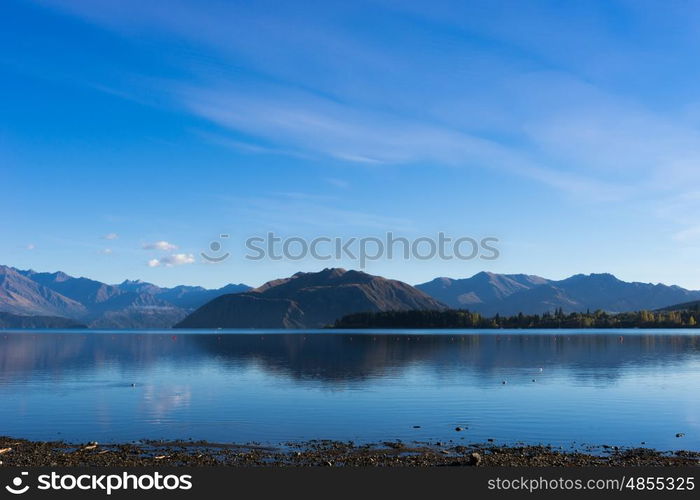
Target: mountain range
pixel 130 304
pixel 508 294
pixel 310 300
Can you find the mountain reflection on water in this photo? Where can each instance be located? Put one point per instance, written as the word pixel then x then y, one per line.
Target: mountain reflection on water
pixel 562 387
pixel 347 357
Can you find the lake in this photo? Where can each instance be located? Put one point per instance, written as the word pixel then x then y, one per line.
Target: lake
pixel 565 388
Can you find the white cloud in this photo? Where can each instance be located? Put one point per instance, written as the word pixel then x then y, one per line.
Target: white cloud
pixel 177 259
pixel 31 246
pixel 110 236
pixel 106 251
pixel 160 245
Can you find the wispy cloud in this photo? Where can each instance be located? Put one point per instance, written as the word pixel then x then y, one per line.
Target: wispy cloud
pixel 160 245
pixel 110 236
pixel 247 147
pixel 552 113
pixel 178 259
pixel 320 126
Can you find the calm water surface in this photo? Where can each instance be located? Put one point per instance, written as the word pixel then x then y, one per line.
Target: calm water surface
pixel 563 387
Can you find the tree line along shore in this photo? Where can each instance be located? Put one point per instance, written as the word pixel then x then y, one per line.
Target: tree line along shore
pixel 464 319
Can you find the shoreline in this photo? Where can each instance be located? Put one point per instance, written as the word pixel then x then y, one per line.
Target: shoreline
pixel 22 453
pixel 331 330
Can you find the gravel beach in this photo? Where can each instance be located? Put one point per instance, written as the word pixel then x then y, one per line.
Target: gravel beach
pixel 19 452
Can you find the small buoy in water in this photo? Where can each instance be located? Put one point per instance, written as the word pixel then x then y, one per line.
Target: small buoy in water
pixel 541 370
pixel 534 380
pixel 504 382
pixel 133 385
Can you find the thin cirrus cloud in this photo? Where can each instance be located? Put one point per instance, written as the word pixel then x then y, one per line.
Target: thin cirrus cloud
pixel 434 102
pixel 562 114
pixel 568 133
pixel 160 245
pixel 328 121
pixel 110 236
pixel 314 124
pixel 178 259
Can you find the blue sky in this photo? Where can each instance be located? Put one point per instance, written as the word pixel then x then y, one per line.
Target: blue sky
pixel 569 130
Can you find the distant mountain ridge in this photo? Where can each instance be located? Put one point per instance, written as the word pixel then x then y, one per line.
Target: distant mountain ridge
pixel 482 288
pixel 309 300
pixel 130 304
pixel 21 295
pixel 317 299
pixel 508 294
